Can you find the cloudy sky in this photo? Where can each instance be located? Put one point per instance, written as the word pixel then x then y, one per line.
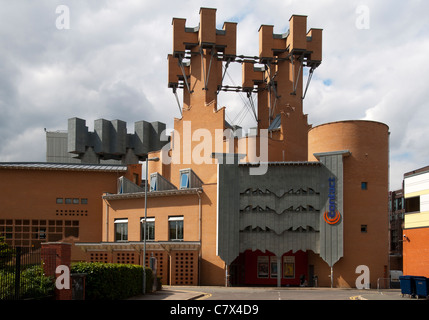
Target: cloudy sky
pixel 109 60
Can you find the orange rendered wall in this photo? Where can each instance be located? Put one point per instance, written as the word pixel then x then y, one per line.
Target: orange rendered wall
pixel 416 252
pixel 212 267
pixel 368 143
pixel 159 207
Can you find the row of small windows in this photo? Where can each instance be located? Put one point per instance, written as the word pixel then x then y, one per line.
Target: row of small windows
pixel 175 229
pixel 72 200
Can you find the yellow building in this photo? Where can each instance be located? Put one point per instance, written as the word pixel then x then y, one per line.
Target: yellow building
pixel 416 224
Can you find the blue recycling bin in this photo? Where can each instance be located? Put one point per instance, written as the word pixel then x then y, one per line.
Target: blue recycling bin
pixel 422 289
pixel 408 285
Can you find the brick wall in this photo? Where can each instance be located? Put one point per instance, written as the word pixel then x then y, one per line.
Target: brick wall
pixel 416 252
pixel 55 254
pixel 184 268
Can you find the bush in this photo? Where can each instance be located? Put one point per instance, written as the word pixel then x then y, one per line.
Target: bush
pixel 33 284
pixel 112 281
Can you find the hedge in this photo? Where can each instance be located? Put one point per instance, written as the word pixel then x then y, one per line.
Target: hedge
pixel 112 281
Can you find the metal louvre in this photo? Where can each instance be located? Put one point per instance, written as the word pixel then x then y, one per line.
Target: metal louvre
pixel 280 222
pixel 282 210
pixel 279 244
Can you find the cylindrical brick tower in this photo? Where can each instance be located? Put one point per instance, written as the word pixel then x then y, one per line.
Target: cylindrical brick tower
pixel 366 187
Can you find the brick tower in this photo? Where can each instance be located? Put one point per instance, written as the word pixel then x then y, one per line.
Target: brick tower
pixel 201 56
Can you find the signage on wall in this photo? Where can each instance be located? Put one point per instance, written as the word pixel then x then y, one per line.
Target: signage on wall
pixel 332 216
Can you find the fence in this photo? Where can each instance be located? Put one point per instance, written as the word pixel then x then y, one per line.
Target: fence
pixel 21 274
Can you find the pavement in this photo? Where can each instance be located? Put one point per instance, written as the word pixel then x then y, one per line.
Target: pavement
pixel 193 293
pixel 392 294
pixel 171 293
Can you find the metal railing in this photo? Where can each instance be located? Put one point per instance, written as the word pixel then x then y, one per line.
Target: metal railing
pixel 21 273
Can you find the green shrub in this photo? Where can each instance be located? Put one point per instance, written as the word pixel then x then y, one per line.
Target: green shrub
pixel 33 284
pixel 112 281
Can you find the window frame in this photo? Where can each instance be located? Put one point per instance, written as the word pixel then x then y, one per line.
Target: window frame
pixel 121 228
pixel 182 175
pixel 413 204
pixel 176 223
pixel 153 183
pixel 150 230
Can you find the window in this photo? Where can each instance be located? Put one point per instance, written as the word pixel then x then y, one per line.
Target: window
pixel 71 201
pixel 398 204
pixel 71 231
pixel 42 233
pixel 364 228
pixel 412 204
pixel 153 183
pixel 150 229
pixel 121 230
pixel 184 180
pixel 364 186
pixel 175 226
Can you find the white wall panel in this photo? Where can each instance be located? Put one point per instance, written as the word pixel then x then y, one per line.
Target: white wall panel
pixel 416 183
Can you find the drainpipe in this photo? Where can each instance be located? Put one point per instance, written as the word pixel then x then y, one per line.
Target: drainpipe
pixel 200 227
pixel 107 219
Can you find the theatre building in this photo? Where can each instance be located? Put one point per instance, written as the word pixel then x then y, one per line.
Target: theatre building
pixel 293 204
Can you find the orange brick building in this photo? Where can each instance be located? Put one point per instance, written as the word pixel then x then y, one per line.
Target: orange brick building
pixel 291 202
pixel 44 202
pixel 210 221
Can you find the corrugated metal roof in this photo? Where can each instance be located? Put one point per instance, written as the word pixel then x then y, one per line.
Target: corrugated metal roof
pixel 61 166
